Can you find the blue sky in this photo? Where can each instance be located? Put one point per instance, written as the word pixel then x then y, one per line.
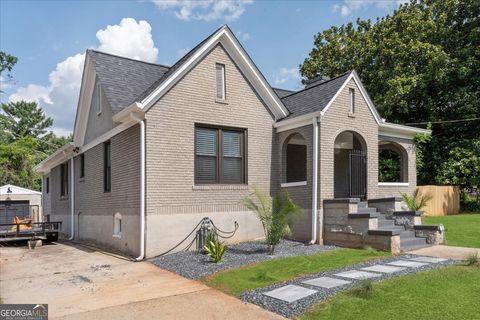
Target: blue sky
pixel 50 37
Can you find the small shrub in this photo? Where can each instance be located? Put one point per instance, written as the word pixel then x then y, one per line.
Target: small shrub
pixel 210 236
pixel 417 201
pixel 363 289
pixel 215 250
pixel 472 260
pixel 275 214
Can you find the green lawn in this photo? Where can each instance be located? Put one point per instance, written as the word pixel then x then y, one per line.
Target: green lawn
pixel 272 271
pixel 461 230
pixel 448 293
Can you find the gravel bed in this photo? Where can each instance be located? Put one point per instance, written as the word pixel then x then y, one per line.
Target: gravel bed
pixel 194 265
pixel 298 307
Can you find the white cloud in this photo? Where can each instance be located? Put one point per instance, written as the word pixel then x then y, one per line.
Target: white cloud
pixel 129 39
pixel 350 6
pixel 243 36
pixel 207 10
pixel 59 98
pixel 284 75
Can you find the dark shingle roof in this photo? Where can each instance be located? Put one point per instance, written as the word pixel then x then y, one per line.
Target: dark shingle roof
pixel 314 98
pixel 124 79
pixel 282 92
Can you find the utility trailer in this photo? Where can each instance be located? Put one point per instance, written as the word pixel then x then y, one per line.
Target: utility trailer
pixel 30 230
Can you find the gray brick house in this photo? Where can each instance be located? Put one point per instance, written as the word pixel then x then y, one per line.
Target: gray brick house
pixel 157 148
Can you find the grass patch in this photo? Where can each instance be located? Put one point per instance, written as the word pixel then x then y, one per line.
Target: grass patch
pixel 461 230
pixel 447 293
pixel 273 271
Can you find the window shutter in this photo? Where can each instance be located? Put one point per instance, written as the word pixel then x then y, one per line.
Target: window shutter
pixel 220 79
pixel 206 155
pixel 232 157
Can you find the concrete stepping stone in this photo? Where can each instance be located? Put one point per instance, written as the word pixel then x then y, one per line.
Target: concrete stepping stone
pixel 355 274
pixel 290 293
pixel 428 259
pixel 326 282
pixel 383 268
pixel 406 263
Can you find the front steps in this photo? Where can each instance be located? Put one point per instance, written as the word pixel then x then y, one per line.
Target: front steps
pixel 408 240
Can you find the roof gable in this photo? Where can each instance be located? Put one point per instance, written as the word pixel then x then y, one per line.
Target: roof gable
pixel 225 37
pixel 10 189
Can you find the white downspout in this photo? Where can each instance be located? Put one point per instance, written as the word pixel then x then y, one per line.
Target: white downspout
pixel 314 180
pixel 72 200
pixel 142 187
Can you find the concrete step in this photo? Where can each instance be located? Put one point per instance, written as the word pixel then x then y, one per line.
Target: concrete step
pixel 412 243
pixel 362 204
pixel 395 228
pixel 366 210
pixel 385 223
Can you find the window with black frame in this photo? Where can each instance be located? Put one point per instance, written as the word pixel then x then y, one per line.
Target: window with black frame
pixel 219 155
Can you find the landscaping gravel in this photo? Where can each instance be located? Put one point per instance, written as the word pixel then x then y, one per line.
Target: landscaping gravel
pixel 194 265
pixel 300 306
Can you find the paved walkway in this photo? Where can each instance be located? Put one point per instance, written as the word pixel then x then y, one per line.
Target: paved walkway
pixel 448 252
pixel 80 283
pixel 294 297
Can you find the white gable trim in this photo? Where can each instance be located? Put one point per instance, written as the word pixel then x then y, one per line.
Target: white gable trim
pixel 16 190
pixel 246 65
pixel 365 96
pixel 84 102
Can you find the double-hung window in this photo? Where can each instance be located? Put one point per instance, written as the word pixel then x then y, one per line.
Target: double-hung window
pixel 107 167
pixel 220 155
pixel 64 179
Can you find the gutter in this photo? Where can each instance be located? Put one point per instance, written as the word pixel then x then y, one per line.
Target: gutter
pixel 141 122
pixel 315 122
pixel 72 200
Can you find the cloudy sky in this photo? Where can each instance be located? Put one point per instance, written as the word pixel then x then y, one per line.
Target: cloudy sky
pixel 50 38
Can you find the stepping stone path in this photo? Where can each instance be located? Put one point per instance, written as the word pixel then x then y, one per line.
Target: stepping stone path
pixel 290 293
pixel 354 274
pixel 411 264
pixel 383 269
pixel 326 282
pixel 295 296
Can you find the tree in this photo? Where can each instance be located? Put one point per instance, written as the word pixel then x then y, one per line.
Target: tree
pixel 419 64
pixel 463 168
pixel 7 62
pixel 21 119
pixel 24 142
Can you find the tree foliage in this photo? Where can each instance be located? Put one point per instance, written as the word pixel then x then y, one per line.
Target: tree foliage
pixel 7 62
pixel 419 64
pixel 24 142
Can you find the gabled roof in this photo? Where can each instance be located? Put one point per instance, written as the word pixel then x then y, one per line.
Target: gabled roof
pixel 282 92
pixel 314 98
pixel 10 189
pixel 124 79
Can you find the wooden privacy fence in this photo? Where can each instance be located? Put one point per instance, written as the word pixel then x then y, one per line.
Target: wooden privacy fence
pixel 445 200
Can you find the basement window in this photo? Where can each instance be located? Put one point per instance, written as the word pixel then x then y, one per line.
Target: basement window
pixel 117 225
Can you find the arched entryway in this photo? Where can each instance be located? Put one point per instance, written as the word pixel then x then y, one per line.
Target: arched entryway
pixel 350 166
pixel 392 162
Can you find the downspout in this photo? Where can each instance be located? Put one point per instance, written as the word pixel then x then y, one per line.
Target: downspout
pixel 72 200
pixel 314 180
pixel 142 186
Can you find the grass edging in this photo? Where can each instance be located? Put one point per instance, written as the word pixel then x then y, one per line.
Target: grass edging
pixel 269 272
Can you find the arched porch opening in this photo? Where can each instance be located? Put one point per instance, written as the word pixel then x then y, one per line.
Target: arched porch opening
pixel 350 166
pixel 294 157
pixel 392 162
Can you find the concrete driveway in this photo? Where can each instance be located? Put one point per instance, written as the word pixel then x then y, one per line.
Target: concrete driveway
pixel 78 282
